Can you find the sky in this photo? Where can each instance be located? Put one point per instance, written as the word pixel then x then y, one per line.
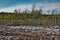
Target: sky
pixel 45 5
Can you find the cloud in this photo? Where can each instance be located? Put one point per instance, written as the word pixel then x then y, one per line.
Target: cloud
pixel 44 6
pixel 12 8
pixel 48 6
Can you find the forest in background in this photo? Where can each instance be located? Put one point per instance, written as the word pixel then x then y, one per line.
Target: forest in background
pixel 34 17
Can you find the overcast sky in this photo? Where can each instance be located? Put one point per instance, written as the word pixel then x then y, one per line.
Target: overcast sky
pixel 45 5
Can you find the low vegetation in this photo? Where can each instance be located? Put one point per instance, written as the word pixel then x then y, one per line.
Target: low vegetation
pixel 29 18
